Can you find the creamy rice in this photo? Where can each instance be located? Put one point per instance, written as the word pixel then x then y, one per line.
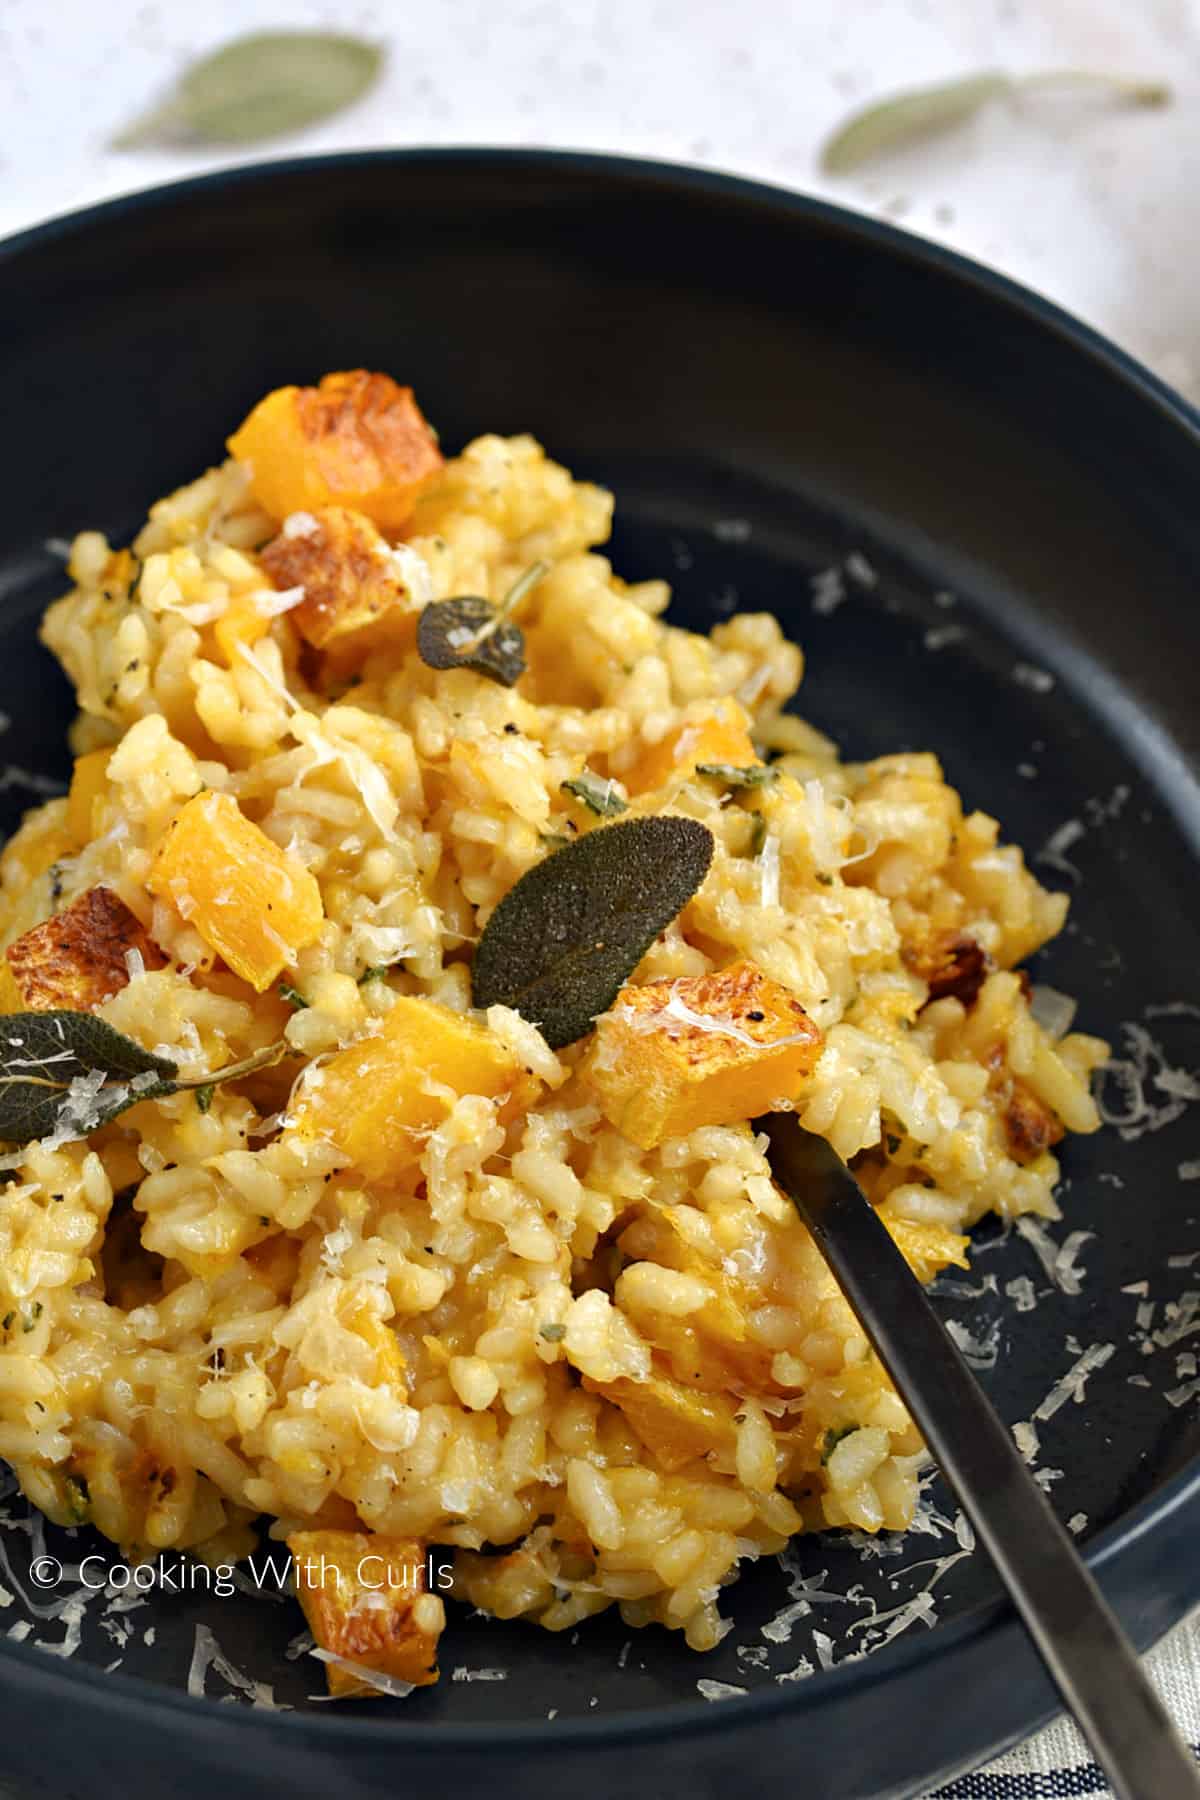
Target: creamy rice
pixel 211 1317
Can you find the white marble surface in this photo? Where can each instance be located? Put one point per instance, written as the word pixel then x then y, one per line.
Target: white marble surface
pixel 1094 207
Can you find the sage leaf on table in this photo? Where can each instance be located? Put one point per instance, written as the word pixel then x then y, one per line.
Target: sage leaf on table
pixel 906 118
pixel 562 942
pixel 259 86
pixel 64 1074
pixel 471 633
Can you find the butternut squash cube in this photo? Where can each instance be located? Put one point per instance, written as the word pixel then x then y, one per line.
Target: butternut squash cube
pixel 366 1599
pixel 77 959
pixel 89 783
pixel 378 1099
pixel 702 1050
pixel 351 579
pixel 719 736
pixel 675 1422
pixel 355 440
pixel 251 902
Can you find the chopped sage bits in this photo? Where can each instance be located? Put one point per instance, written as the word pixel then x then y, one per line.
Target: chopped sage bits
pixel 752 776
pixel 77 1499
pixel 204 1097
pixel 553 1333
pixel 293 996
pixel 67 1073
pixel 563 940
pixel 599 793
pixel 471 633
pixel 376 972
pixel 833 1438
pixel 758 835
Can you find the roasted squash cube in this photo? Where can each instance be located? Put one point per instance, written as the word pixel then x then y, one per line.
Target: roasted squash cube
pixel 352 579
pixel 677 1423
pixel 379 1099
pixel 89 782
pixel 719 735
pixel 251 902
pixel 355 440
pixel 367 1600
pixel 702 1050
pixel 78 958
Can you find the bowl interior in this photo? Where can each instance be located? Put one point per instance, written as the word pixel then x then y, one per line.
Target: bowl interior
pixel 981 533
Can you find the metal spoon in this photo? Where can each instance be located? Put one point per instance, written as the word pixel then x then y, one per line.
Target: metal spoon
pixel 1090 1659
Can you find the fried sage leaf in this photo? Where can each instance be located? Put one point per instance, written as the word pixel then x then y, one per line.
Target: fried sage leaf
pixel 471 633
pixel 753 775
pixel 259 86
pixel 599 793
pixel 563 940
pixel 67 1073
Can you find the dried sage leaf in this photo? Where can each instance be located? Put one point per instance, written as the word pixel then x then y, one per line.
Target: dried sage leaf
pixel 563 940
pixel 599 793
pixel 471 633
pixel 906 118
pixel 754 775
pixel 65 1074
pixel 259 86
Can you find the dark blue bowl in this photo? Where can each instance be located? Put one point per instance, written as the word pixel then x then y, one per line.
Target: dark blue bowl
pixel 773 388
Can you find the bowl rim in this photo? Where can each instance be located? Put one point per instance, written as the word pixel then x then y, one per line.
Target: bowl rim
pixel 1172 1508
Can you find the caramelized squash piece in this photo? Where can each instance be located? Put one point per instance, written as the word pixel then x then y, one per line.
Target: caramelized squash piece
pixel 1029 1125
pixel 720 736
pixel 702 1050
pixel 952 963
pixel 378 1099
pixel 77 959
pixel 677 1423
pixel 89 782
pixel 355 440
pixel 251 902
pixel 366 1599
pixel 352 581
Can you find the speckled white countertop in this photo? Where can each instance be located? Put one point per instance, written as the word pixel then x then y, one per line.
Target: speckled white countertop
pixel 1094 207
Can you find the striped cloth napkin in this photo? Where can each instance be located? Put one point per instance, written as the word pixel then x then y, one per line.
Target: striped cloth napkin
pixel 1057 1764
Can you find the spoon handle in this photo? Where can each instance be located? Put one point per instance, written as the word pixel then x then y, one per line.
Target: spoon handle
pixel 1084 1648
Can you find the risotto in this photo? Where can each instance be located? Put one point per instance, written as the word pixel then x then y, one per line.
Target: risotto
pixel 364 1259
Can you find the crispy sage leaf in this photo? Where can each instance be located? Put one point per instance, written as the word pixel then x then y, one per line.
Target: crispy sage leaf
pixel 599 793
pixel 260 86
pixel 905 118
pixel 471 633
pixel 69 1073
pixel 563 940
pixel 753 775
pixel 43 1053
pixel 450 636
